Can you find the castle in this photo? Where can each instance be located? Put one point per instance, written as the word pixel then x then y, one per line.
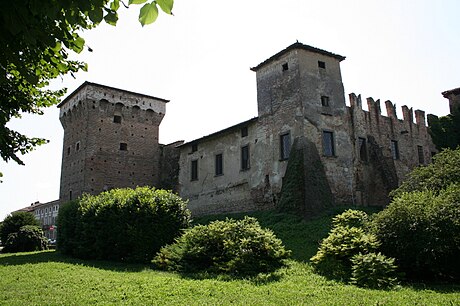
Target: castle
pixel 304 134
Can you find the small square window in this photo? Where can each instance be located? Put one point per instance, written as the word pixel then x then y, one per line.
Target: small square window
pixel 244 131
pixel 322 64
pixel 325 101
pixel 117 119
pixel 123 146
pixel 285 66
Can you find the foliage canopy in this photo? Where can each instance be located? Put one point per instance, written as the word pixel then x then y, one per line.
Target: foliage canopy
pixel 12 223
pixel 37 37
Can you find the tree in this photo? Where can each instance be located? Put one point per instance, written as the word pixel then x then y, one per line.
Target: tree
pixel 445 131
pixel 37 37
pixel 29 238
pixel 14 222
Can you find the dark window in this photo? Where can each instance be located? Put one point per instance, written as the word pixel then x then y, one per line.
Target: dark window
pixel 77 146
pixel 285 145
pixel 322 64
pixel 328 143
pixel 219 165
pixel 70 195
pixel 244 131
pixel 194 170
pixel 285 66
pixel 394 149
pixel 117 119
pixel 324 100
pixel 245 157
pixel 421 157
pixel 68 151
pixel 194 147
pixel 362 149
pixel 123 146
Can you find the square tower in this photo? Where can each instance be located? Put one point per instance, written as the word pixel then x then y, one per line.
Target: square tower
pixel 110 140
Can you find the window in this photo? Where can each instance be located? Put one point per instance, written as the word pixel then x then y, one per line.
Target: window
pixel 324 100
pixel 328 143
pixel 362 149
pixel 123 146
pixel 322 64
pixel 394 149
pixel 117 119
pixel 68 150
pixel 285 145
pixel 70 195
pixel 245 157
pixel 194 170
pixel 421 157
pixel 244 131
pixel 77 146
pixel 285 66
pixel 194 147
pixel 219 165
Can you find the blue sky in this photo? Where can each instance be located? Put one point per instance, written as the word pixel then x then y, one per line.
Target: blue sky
pixel 404 51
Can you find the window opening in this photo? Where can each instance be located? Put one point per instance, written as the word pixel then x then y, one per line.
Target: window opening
pixel 123 146
pixel 421 157
pixel 244 131
pixel 362 149
pixel 117 119
pixel 324 100
pixel 194 170
pixel 285 140
pixel 322 64
pixel 394 149
pixel 328 143
pixel 285 66
pixel 194 147
pixel 245 157
pixel 219 165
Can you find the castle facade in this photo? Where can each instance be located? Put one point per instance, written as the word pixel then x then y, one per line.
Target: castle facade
pixel 305 142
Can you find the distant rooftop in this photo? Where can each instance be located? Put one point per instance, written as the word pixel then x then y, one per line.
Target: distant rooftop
pixel 298 45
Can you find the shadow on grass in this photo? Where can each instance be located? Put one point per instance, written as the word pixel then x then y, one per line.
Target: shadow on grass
pixel 15 259
pixel 255 279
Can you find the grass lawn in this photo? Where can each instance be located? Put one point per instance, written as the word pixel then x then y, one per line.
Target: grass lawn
pixel 48 278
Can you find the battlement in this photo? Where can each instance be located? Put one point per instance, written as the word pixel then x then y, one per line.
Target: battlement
pixel 97 92
pixel 375 110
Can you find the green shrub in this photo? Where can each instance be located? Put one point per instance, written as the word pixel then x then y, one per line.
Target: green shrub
pixel 12 223
pixel 122 224
pixel 28 238
pixel 333 258
pixel 442 172
pixel 238 247
pixel 373 270
pixel 350 218
pixel 422 231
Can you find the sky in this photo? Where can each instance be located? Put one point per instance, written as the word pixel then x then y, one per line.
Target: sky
pixel 199 59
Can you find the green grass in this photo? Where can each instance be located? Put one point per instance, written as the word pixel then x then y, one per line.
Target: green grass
pixel 48 278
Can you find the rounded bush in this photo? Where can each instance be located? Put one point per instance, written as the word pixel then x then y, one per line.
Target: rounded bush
pixel 12 223
pixel 334 255
pixel 122 224
pixel 422 231
pixel 350 218
pixel 27 239
pixel 373 270
pixel 238 247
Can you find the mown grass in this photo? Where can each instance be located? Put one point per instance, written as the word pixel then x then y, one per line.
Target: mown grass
pixel 49 278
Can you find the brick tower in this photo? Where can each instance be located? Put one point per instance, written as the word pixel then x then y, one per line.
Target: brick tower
pixel 110 140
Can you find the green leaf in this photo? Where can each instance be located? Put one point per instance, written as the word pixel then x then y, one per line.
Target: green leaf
pixel 166 5
pixel 96 15
pixel 148 14
pixel 78 44
pixel 111 18
pixel 136 2
pixel 115 5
